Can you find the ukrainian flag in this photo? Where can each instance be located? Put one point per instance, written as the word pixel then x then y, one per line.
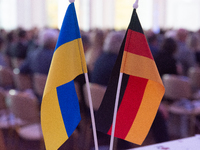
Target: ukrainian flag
pixel 60 112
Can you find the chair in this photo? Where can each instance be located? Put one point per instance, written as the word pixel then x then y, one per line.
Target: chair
pixel 97 93
pixel 4 113
pixel 176 87
pixel 2 142
pixel 39 81
pixel 6 77
pixel 21 81
pixel 25 107
pixel 194 75
pixel 7 119
pixel 2 99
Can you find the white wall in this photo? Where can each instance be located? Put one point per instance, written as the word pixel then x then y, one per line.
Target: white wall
pixel 101 13
pixel 8 17
pixel 145 13
pixel 22 13
pixel 183 14
pixel 62 7
pixel 96 13
pixel 84 14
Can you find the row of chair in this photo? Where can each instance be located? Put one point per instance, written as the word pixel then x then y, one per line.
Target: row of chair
pixel 13 79
pixel 184 94
pixel 23 106
pixel 19 106
pixel 20 113
pixel 20 110
pixel 18 102
pixel 177 87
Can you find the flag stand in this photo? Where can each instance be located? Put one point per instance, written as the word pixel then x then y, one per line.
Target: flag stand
pixel 91 111
pixel 135 5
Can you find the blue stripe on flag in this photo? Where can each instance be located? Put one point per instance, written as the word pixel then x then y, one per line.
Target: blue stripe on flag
pixel 69 106
pixel 70 29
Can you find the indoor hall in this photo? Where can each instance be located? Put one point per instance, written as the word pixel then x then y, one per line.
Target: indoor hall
pixel 161 20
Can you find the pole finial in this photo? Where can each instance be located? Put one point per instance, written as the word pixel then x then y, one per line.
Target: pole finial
pixel 135 5
pixel 71 1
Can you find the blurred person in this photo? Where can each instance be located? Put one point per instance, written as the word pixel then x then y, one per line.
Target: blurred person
pixel 193 42
pixel 3 33
pixel 2 56
pixel 153 43
pixel 32 39
pixel 165 60
pixel 39 60
pixel 184 55
pixel 166 64
pixel 96 39
pixel 161 36
pixel 105 63
pixel 21 46
pixel 86 41
pixel 10 40
pixel 170 34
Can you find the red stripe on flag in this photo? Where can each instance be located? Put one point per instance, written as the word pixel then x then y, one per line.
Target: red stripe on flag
pixel 129 106
pixel 139 46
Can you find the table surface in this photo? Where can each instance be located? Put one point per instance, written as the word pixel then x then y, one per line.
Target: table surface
pixel 190 143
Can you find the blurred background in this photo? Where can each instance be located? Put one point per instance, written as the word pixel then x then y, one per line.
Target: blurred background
pixel 104 14
pixel 28 34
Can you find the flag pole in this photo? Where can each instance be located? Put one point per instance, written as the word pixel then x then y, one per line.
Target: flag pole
pixel 135 5
pixel 71 1
pixel 91 111
pixel 115 111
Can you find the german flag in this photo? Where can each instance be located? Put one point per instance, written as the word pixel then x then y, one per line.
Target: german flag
pixel 141 89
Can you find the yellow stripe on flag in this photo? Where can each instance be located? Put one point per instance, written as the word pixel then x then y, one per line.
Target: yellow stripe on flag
pixel 66 64
pixel 53 127
pixel 140 66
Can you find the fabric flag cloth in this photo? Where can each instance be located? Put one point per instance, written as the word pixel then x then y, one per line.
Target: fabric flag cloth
pixel 60 112
pixel 141 89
